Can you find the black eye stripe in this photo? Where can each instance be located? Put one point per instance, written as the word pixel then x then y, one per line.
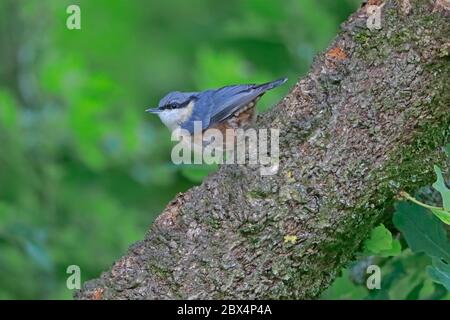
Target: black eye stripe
pixel 175 105
pixel 170 106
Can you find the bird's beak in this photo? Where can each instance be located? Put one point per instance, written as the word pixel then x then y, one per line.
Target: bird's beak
pixel 153 110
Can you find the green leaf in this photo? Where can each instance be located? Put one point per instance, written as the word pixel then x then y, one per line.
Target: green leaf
pixel 395 249
pixel 380 239
pixel 344 288
pixel 422 230
pixel 440 273
pixel 381 242
pixel 443 215
pixel 440 186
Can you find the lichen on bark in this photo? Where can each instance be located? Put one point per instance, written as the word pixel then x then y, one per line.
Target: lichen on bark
pixel 367 121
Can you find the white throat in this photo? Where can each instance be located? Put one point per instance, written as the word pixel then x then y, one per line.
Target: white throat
pixel 174 118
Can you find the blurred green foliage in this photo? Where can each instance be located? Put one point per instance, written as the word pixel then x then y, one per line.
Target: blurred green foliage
pixel 83 170
pixel 418 272
pixel 421 271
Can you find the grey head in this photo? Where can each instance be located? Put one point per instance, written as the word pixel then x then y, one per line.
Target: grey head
pixel 174 108
pixel 182 109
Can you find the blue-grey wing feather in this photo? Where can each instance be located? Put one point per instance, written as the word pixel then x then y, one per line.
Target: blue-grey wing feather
pixel 230 99
pixel 219 104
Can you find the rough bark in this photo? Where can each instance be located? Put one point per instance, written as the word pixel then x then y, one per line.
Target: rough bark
pixel 368 120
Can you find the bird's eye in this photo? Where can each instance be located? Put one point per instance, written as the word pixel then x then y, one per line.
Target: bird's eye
pixel 171 106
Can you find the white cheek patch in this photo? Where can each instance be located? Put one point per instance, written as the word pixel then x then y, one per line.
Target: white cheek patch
pixel 187 112
pixel 176 117
pixel 170 118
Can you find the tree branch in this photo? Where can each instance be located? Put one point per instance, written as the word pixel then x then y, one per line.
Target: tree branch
pixel 366 122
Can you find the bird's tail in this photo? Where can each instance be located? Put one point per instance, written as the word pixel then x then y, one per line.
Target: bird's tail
pixel 272 84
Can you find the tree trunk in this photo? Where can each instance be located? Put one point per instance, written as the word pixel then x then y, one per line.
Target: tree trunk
pixel 367 121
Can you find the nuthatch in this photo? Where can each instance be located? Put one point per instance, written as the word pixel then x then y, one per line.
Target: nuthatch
pixel 229 107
